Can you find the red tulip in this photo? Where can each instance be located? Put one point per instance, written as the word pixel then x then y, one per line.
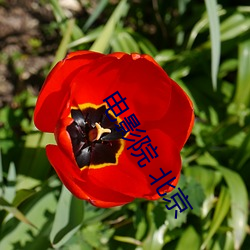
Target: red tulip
pixel 90 157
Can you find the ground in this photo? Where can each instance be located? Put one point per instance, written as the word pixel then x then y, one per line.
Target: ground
pixel 26 52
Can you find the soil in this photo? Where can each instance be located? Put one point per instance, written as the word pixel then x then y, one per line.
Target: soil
pixel 28 41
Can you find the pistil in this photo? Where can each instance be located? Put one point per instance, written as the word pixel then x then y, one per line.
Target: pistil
pixel 96 133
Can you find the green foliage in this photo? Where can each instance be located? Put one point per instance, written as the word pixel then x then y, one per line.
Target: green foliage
pixel 214 27
pixel 68 218
pixel 205 47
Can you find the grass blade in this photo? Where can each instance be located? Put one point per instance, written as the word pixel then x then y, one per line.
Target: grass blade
pixel 214 27
pixel 239 204
pixel 14 211
pixel 62 50
pixel 242 96
pixel 68 219
pixel 101 6
pixel 190 239
pixel 103 40
pixel 221 211
pixel 1 176
pixel 10 189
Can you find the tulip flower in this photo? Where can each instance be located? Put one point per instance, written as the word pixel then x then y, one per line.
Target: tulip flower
pixel 96 159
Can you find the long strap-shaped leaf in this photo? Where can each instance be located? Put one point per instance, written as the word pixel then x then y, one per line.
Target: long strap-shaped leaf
pixel 68 218
pixel 239 204
pixel 214 27
pixel 242 96
pixel 103 40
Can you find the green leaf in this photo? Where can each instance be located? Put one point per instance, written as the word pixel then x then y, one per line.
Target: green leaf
pixel 239 204
pixel 164 56
pixel 155 237
pixel 146 46
pixel 195 196
pixel 155 240
pixel 242 96
pixel 90 37
pixel 128 43
pixel 39 209
pixel 93 214
pixel 235 25
pixel 221 211
pixel 62 20
pixel 10 189
pixel 201 24
pixel 22 195
pixel 57 10
pixel 34 162
pixel 181 218
pixel 96 13
pixel 242 154
pixel 140 224
pixel 1 175
pixel 128 240
pixel 182 5
pixel 68 218
pixel 123 41
pixel 103 40
pixel 26 182
pixel 62 50
pixel 190 239
pixel 14 211
pixel 96 235
pixel 115 45
pixel 214 27
pixel 208 179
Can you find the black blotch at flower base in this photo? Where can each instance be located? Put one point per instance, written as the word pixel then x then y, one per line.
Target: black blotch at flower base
pixel 94 152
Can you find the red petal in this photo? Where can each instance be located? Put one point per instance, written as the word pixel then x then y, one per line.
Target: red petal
pixel 162 191
pixel 140 81
pixel 118 55
pixel 63 138
pixel 178 121
pixel 128 178
pixel 83 188
pixel 55 92
pixel 168 159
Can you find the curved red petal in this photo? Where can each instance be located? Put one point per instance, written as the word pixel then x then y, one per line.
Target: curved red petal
pixel 179 119
pixel 55 91
pixel 128 178
pixel 140 81
pixel 125 178
pixel 168 160
pixel 162 191
pixel 63 138
pixel 118 55
pixel 81 187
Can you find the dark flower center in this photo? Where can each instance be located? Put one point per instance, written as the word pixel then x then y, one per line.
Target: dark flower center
pixel 94 138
